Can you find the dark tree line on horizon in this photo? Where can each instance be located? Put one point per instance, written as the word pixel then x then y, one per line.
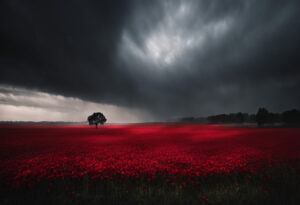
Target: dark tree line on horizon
pixel 263 116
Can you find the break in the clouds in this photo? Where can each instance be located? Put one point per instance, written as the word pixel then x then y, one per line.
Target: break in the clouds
pixel 17 104
pixel 165 58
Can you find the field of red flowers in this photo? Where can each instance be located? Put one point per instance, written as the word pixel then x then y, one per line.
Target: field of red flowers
pixel 178 154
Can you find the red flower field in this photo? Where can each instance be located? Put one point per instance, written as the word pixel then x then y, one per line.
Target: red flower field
pixel 30 153
pixel 179 154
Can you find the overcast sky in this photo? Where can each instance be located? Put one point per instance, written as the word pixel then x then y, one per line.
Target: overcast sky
pixel 139 60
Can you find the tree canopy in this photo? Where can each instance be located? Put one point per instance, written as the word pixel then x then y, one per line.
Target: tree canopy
pixel 96 118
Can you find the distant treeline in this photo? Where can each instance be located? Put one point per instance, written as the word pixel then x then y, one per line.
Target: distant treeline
pixel 263 116
pixel 232 118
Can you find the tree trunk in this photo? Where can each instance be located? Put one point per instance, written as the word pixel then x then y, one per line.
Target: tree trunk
pixel 96 125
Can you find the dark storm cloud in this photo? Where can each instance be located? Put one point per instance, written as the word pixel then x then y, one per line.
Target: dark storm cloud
pixel 172 58
pixel 252 63
pixel 66 48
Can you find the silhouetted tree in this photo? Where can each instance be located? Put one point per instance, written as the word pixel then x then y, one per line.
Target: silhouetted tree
pixel 262 116
pixel 240 118
pixel 273 118
pixel 291 116
pixel 229 118
pixel 96 118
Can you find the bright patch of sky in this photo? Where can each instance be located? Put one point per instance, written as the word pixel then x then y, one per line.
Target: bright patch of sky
pixel 170 39
pixel 19 104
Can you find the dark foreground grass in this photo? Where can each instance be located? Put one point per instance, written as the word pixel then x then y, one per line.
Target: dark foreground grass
pixel 269 186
